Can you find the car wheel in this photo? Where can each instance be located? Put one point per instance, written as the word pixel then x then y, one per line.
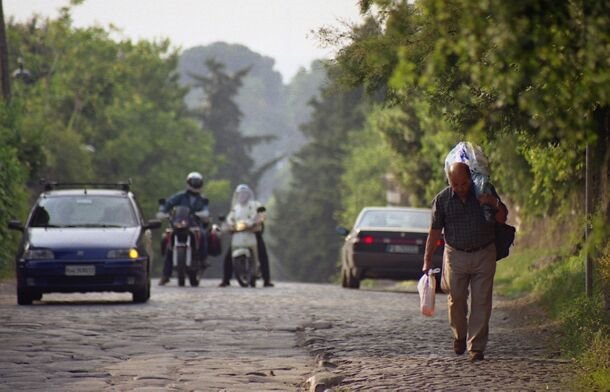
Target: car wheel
pixel 353 282
pixel 24 297
pixel 141 295
pixel 344 278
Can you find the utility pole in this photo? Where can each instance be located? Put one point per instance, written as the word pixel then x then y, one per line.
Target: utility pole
pixel 588 209
pixel 4 72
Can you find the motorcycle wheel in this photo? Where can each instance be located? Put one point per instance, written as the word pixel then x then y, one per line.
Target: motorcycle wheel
pixel 181 267
pixel 240 271
pixel 252 275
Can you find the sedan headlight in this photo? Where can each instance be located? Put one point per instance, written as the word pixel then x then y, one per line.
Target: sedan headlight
pixel 38 254
pixel 131 253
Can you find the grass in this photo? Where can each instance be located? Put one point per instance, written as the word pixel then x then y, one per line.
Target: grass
pixel 556 283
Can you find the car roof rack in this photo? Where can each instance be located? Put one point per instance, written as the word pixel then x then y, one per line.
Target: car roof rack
pixel 51 185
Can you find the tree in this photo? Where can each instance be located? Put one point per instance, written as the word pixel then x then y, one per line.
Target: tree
pixel 305 217
pixel 101 110
pixel 220 113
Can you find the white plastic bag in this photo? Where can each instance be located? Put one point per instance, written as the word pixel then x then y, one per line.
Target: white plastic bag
pixel 473 156
pixel 427 289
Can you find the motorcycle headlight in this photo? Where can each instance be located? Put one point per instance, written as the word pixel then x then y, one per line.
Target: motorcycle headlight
pixel 38 254
pixel 131 253
pixel 240 226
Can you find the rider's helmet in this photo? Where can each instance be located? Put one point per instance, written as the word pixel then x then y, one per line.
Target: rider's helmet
pixel 243 194
pixel 194 182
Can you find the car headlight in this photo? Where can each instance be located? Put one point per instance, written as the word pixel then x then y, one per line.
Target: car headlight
pixel 131 253
pixel 38 254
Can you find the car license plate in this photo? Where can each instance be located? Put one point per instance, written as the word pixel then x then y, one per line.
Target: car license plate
pixel 413 249
pixel 80 270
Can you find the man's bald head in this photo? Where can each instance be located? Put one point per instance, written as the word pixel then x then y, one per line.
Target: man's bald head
pixel 459 178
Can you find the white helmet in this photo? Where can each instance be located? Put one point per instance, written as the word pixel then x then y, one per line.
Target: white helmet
pixel 194 182
pixel 242 195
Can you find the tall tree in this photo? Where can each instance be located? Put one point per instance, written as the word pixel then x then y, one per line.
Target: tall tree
pixel 305 216
pixel 220 113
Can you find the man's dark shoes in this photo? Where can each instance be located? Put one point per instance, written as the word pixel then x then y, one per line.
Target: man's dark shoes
pixel 459 346
pixel 268 284
pixel 224 284
pixel 163 280
pixel 476 356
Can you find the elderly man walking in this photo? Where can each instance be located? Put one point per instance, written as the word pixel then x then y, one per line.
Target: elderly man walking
pixel 469 262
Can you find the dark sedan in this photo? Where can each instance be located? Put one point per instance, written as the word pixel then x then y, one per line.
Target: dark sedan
pixel 83 240
pixel 386 243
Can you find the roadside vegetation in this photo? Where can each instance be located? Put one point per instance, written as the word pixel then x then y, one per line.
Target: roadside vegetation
pixel 528 82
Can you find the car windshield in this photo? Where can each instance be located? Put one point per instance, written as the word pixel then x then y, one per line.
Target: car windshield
pixel 396 218
pixel 83 211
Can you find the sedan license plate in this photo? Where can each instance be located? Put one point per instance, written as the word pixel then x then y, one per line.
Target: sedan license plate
pixel 80 270
pixel 413 249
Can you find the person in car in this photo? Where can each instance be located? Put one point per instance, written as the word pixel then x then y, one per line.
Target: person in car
pixel 242 197
pixel 193 198
pixel 469 262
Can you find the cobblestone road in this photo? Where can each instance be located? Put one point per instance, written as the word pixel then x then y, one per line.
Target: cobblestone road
pixel 234 339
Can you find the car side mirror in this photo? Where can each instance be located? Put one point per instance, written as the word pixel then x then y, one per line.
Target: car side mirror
pixel 152 224
pixel 14 224
pixel 342 231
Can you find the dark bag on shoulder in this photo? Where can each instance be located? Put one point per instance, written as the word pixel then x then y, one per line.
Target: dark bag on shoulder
pixel 505 236
pixel 214 243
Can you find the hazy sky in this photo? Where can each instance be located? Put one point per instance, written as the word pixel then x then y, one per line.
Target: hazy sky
pixel 280 29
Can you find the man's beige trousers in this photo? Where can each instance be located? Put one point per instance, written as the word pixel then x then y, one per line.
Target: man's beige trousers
pixel 474 272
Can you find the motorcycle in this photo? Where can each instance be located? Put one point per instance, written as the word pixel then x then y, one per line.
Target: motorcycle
pixel 182 239
pixel 243 245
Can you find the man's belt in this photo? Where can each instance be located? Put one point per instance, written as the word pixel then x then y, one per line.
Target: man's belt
pixel 472 250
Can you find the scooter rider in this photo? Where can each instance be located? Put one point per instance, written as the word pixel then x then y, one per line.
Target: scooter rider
pixel 245 207
pixel 191 197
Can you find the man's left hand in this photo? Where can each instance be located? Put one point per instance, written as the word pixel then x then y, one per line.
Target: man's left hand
pixel 489 199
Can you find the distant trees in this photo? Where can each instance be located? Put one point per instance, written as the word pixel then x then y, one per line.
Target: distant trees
pixel 220 113
pixel 305 216
pixel 270 109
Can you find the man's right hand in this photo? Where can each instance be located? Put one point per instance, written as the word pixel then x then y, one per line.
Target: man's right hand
pixel 427 265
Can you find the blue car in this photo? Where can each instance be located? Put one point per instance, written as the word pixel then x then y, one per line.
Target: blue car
pixel 83 238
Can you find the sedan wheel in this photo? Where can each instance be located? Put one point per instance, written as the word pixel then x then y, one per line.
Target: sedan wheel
pixel 348 280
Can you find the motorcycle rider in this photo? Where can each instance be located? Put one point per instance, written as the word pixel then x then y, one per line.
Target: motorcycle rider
pixel 192 198
pixel 245 207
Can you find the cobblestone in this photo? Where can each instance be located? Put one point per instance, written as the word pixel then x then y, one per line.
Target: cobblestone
pixel 235 339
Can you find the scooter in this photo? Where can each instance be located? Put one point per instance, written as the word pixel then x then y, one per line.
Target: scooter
pixel 243 245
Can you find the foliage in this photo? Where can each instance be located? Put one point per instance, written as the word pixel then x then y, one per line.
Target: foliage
pixel 491 73
pixel 102 110
pixel 303 228
pixel 12 197
pixel 363 182
pixel 594 365
pixel 556 282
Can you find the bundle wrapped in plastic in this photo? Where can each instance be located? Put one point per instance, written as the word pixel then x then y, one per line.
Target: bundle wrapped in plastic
pixel 473 156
